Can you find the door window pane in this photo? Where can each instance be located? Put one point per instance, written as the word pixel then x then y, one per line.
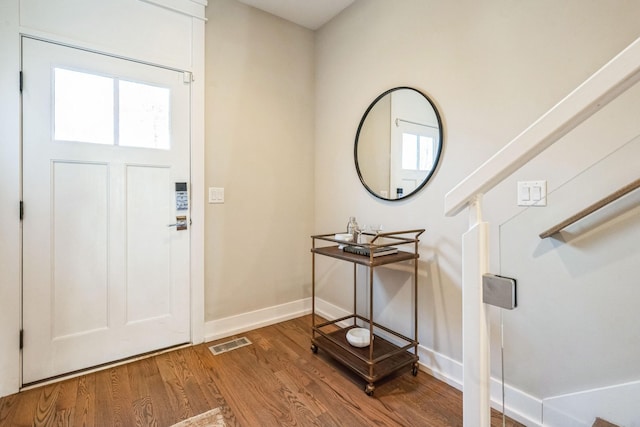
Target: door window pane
pixel 83 107
pixel 144 115
pixel 87 105
pixel 417 152
pixel 409 151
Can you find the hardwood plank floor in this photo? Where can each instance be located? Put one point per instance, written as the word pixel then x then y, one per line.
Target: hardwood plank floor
pixel 276 381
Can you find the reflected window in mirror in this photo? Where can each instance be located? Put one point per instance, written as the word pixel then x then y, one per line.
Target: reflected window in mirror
pixel 398 143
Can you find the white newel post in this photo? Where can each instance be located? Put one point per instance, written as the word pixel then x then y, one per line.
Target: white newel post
pixel 475 323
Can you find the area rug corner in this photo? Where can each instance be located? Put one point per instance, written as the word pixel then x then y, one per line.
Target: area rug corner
pixel 212 418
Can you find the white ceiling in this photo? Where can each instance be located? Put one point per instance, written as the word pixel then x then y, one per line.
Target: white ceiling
pixel 311 14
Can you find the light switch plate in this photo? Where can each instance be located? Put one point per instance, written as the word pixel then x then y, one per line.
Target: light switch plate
pixel 532 193
pixel 216 195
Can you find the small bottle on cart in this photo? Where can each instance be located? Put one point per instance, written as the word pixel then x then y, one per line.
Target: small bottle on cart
pixel 353 229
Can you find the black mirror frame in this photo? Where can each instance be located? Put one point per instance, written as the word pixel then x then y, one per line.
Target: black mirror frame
pixel 437 155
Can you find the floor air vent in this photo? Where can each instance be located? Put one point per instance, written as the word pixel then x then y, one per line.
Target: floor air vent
pixel 229 345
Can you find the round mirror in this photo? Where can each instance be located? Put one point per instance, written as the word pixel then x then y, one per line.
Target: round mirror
pixel 398 143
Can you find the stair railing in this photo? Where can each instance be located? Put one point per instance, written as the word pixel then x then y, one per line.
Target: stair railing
pixel 591 209
pixel 610 81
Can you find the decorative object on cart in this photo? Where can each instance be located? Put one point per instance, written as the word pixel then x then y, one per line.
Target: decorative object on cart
pixel 358 337
pixel 366 251
pixel 380 357
pixel 343 237
pixel 353 229
pixel 398 143
pixel 375 228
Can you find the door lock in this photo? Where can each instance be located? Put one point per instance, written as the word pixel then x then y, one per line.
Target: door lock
pixel 181 223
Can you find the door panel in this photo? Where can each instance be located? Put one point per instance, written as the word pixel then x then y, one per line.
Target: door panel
pixel 79 289
pixel 104 277
pixel 147 210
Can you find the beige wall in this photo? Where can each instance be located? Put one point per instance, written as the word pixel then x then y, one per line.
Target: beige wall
pixel 259 133
pixel 491 68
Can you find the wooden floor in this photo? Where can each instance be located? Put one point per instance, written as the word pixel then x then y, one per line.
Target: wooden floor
pixel 276 381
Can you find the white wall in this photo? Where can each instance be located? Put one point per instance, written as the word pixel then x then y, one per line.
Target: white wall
pixel 259 132
pixel 492 68
pixel 134 29
pixel 578 290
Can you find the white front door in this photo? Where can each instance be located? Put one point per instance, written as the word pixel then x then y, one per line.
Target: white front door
pixel 105 147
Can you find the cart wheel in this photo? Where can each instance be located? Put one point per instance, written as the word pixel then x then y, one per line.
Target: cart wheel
pixel 414 370
pixel 314 348
pixel 369 389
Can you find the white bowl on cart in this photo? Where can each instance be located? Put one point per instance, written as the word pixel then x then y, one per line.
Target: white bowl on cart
pixel 358 337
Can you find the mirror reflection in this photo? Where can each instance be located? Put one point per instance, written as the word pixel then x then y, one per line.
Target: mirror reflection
pixel 398 143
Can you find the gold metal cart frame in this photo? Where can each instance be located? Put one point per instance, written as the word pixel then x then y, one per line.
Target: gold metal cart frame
pixel 382 357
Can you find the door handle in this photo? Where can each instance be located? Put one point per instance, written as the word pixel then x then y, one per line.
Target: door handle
pixel 180 224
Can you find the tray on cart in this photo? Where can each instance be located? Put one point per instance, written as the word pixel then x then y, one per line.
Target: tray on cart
pixel 384 360
pixel 336 252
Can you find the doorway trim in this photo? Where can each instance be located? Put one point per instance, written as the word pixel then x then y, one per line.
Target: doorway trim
pixel 10 227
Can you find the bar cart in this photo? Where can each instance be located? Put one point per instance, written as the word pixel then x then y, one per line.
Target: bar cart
pixel 381 357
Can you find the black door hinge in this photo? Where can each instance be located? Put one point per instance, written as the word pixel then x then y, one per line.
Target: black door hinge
pixel 21 210
pixel 21 80
pixel 21 338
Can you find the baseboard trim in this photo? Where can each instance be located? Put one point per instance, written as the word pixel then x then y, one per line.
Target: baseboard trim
pixel 232 325
pixel 617 404
pixel 519 406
